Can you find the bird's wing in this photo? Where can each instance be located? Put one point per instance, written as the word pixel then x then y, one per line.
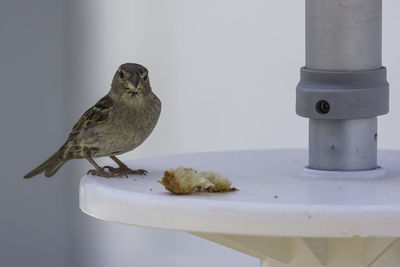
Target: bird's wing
pixel 95 115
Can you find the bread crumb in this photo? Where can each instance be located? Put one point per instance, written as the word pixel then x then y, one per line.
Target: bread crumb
pixel 186 180
pixel 221 184
pixel 134 179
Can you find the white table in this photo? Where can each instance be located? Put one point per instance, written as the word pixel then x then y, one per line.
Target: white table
pixel 283 214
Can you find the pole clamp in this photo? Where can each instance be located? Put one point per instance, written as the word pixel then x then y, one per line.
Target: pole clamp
pixel 324 94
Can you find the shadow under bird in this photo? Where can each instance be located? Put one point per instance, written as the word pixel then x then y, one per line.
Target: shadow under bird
pixel 117 123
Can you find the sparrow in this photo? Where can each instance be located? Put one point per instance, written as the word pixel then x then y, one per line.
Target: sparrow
pixel 116 124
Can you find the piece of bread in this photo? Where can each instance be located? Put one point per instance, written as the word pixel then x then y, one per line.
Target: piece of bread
pixel 221 184
pixel 186 180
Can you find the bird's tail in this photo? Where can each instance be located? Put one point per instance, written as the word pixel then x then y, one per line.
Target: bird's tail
pixel 50 166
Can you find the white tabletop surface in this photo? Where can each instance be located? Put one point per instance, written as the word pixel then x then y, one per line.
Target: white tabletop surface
pixel 275 198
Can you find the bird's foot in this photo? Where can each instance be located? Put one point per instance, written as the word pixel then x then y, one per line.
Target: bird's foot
pixel 125 171
pixel 102 173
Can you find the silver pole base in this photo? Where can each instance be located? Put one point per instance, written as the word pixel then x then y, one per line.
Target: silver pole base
pixel 343 145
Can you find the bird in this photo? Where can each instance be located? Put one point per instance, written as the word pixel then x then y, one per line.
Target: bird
pixel 119 122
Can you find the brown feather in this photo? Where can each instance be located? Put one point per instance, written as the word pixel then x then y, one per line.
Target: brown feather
pixel 50 166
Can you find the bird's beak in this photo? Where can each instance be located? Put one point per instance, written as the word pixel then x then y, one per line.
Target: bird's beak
pixel 129 86
pixel 132 84
pixel 134 80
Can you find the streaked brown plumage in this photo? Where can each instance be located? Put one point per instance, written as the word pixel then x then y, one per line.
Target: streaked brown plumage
pixel 117 123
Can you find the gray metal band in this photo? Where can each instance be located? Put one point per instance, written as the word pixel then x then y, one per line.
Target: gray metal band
pixel 349 94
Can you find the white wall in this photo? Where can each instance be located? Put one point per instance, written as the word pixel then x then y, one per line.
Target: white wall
pixel 225 71
pixel 215 67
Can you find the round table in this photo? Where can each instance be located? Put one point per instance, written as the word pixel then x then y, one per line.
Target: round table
pixel 283 213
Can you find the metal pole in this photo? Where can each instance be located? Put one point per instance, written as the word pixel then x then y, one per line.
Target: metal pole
pixel 343 36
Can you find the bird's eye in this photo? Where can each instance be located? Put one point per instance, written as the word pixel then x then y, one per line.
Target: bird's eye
pixel 121 75
pixel 144 75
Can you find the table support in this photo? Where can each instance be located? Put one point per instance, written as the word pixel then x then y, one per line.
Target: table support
pixel 343 40
pixel 313 252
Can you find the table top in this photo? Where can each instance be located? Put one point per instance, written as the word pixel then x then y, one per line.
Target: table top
pixel 276 197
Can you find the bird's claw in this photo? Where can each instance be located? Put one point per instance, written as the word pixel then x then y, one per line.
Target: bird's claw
pixel 141 172
pixel 125 171
pixel 100 172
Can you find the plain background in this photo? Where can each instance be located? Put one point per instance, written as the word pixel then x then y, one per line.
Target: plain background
pixel 225 71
